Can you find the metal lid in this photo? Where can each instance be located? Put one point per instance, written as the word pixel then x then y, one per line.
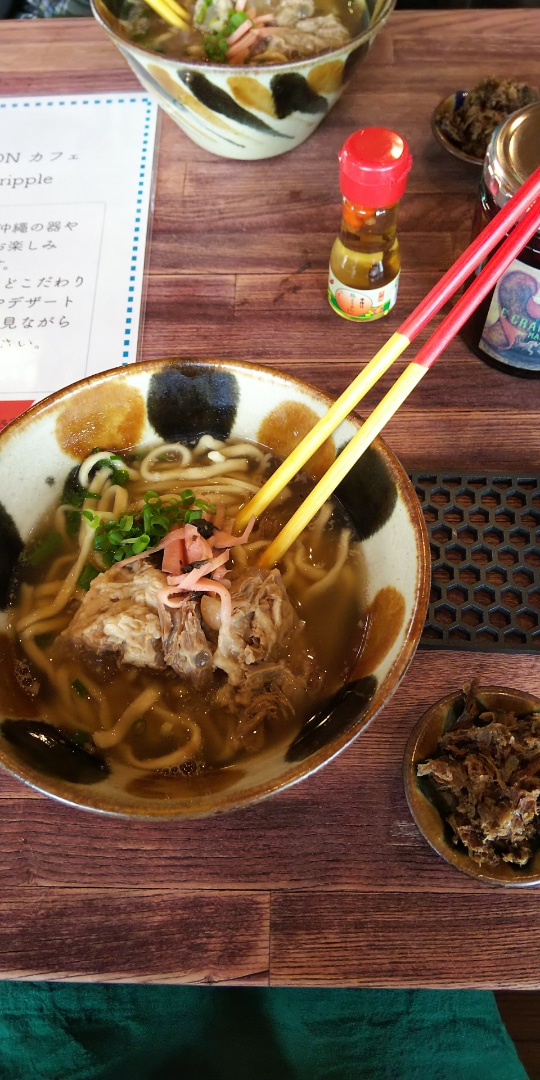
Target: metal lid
pixel 513 153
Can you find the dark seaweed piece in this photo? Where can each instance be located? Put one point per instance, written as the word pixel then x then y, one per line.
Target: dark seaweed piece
pixel 73 491
pixel 49 749
pixel 204 528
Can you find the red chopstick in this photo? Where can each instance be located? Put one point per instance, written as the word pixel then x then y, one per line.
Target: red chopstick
pixel 472 257
pixel 487 278
pixel 521 205
pixel 403 386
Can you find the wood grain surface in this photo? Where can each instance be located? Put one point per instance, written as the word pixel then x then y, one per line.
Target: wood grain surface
pixel 329 883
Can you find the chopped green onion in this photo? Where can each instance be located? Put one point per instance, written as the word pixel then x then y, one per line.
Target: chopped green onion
pixel 80 688
pixel 201 13
pixel 138 727
pixel 132 533
pixel 92 518
pixel 215 40
pixel 141 543
pixel 87 575
pixel 215 47
pixel 208 508
pixel 120 474
pixel 120 477
pixel 44 549
pixel 236 18
pixel 116 537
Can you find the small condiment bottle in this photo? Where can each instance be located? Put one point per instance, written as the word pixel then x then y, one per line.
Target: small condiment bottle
pixel 505 328
pixel 365 260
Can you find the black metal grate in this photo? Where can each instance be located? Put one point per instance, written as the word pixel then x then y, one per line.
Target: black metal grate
pixel 484 532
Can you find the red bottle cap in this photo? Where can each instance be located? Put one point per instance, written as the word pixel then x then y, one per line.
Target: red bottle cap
pixel 374 164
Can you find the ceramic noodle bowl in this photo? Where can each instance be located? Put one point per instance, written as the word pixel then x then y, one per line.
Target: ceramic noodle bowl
pixel 175 401
pixel 246 112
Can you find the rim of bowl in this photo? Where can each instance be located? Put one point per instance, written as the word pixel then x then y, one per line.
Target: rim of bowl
pixel 385 690
pixel 447 105
pixel 417 801
pixel 107 20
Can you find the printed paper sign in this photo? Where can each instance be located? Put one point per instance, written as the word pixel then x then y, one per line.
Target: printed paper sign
pixel 76 176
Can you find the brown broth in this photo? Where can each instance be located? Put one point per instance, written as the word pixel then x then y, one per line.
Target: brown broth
pixel 143 27
pixel 330 636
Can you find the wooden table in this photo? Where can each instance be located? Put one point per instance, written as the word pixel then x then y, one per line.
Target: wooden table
pixel 329 883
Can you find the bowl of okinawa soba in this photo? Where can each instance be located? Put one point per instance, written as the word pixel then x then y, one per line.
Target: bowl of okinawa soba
pixel 246 79
pixel 149 665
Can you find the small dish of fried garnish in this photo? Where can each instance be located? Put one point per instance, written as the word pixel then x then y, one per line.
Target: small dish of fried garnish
pixel 465 120
pixel 472 780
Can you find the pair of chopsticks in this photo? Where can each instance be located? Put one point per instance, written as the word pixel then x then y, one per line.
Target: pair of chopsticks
pixel 172 12
pixel 521 205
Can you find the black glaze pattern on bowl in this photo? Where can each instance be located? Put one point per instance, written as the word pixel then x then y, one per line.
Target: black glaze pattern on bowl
pixel 221 102
pixel 334 719
pixel 184 402
pixel 46 748
pixel 146 78
pixel 292 93
pixel 11 546
pixel 369 493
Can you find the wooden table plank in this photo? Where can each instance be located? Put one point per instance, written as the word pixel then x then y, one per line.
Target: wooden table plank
pixel 136 935
pixel 238 268
pixel 346 827
pixel 434 939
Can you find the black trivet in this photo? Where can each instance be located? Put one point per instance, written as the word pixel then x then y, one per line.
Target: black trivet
pixel 484 533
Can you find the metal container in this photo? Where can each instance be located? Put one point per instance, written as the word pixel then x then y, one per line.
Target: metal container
pixel 505 329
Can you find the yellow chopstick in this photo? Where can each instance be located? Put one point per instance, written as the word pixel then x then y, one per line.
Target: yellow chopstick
pixel 410 377
pixel 463 268
pixel 172 12
pixel 324 427
pixel 343 463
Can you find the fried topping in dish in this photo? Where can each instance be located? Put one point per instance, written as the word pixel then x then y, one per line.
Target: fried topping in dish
pixel 486 777
pixel 471 126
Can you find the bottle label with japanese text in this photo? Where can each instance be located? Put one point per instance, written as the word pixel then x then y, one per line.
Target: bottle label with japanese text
pixel 361 305
pixel 511 332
